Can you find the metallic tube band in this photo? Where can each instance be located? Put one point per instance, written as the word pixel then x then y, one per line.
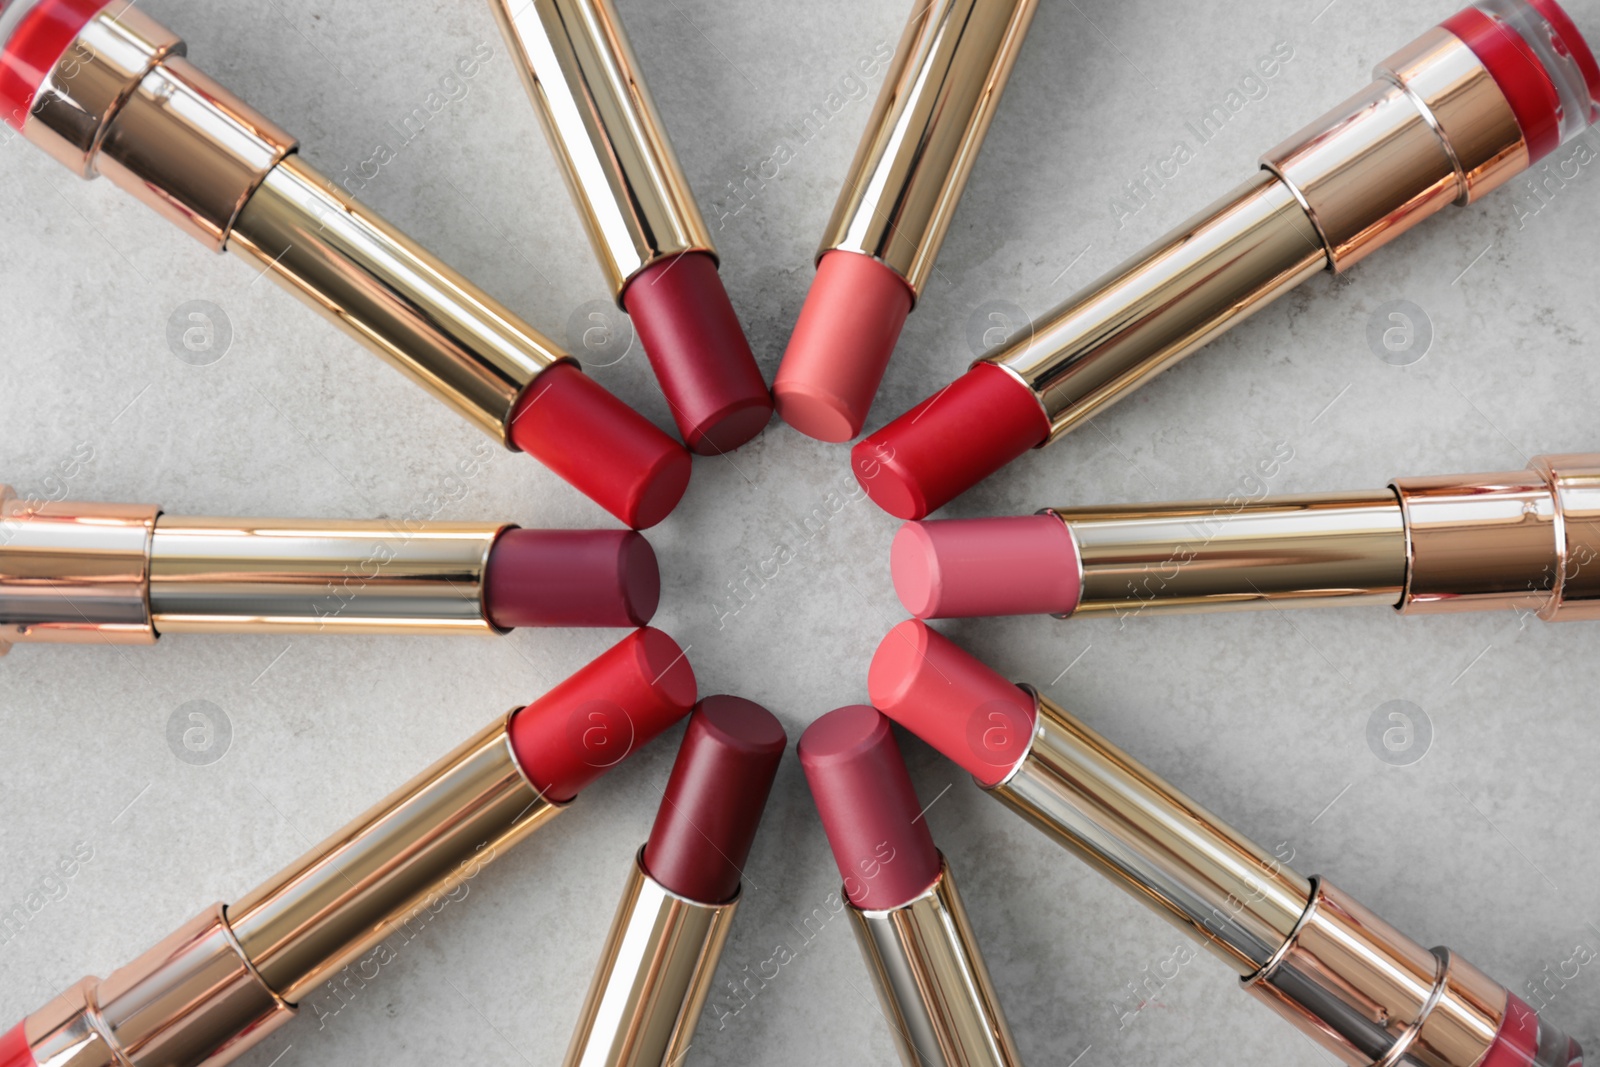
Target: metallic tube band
pixel 1123 819
pixel 73 572
pixel 390 293
pixel 1289 551
pixel 340 899
pixel 1372 996
pixel 1214 271
pixel 932 983
pixel 124 103
pixel 653 977
pixel 937 101
pixel 192 999
pixel 584 81
pixel 1434 129
pixel 309 576
pixel 1523 540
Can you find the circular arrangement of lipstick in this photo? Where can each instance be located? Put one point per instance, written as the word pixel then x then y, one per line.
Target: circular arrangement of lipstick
pixel 686 871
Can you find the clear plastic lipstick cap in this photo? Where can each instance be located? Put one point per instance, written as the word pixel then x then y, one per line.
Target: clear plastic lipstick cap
pixel 1561 48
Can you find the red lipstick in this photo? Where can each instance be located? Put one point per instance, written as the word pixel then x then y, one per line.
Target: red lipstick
pixel 105 89
pixel 939 95
pixel 647 231
pixel 234 974
pixel 1451 117
pixel 1352 983
pixel 127 573
pixel 678 903
pixel 909 919
pixel 1521 541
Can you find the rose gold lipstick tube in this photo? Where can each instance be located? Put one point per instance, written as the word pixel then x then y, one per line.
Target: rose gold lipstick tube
pixel 1435 128
pixel 654 974
pixel 1527 541
pixel 234 974
pixel 125 574
pixel 1358 987
pixel 932 983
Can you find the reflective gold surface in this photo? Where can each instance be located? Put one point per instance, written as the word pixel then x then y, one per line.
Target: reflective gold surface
pixel 1369 994
pixel 652 979
pixel 387 291
pixel 1213 272
pixel 1433 130
pixel 584 81
pixel 318 576
pixel 1289 551
pixel 1201 874
pixel 357 887
pixel 1575 480
pixel 938 98
pixel 192 999
pixel 124 103
pixel 74 572
pixel 932 984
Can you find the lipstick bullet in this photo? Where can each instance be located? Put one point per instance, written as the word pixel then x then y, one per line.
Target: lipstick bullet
pixel 910 922
pixel 105 89
pixel 679 900
pixel 647 232
pixel 898 198
pixel 1349 981
pixel 124 574
pixel 1451 117
pixel 1525 541
pixel 227 979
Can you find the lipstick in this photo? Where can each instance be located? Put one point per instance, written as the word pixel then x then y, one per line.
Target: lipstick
pixel 1449 118
pixel 105 89
pixel 1352 983
pixel 682 889
pixel 636 204
pixel 124 574
pixel 232 975
pixel 908 917
pixel 1527 541
pixel 937 100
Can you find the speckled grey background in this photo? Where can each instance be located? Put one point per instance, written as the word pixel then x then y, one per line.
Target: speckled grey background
pixel 1485 844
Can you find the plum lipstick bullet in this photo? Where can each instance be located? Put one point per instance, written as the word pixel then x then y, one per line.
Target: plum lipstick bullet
pixel 1451 117
pixel 938 98
pixel 678 904
pixel 227 979
pixel 127 573
pixel 1352 983
pixel 1522 541
pixel 105 89
pixel 909 919
pixel 641 215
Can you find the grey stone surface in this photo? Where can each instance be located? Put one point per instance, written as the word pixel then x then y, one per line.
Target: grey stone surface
pixel 1485 844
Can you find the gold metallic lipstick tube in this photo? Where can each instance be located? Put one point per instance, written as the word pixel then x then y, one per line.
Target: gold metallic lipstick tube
pixel 1525 540
pixel 1352 983
pixel 125 574
pixel 123 102
pixel 932 984
pixel 1433 129
pixel 226 980
pixel 654 975
pixel 937 101
pixel 599 118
